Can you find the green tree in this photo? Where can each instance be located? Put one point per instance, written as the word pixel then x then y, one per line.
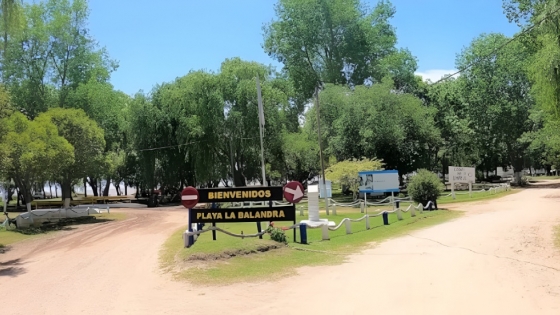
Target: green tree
pixel 238 81
pixel 338 42
pixel 497 90
pixel 33 151
pixel 86 138
pixel 346 172
pixel 375 122
pixel 301 156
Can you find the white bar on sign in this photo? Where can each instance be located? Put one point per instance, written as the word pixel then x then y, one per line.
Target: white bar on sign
pixel 188 197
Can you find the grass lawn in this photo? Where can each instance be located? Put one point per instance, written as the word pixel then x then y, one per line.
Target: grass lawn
pixel 476 196
pixel 8 237
pixel 541 178
pixel 204 262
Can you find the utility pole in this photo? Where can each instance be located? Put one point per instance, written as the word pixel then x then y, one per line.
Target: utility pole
pixel 232 164
pixel 261 126
pixel 321 149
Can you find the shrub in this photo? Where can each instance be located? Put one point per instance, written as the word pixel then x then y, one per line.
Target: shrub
pixel 277 234
pixel 425 186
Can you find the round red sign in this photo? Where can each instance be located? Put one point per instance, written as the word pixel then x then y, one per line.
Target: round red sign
pixel 189 197
pixel 293 192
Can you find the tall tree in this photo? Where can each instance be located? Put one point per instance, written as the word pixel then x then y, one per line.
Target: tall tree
pixel 338 42
pixel 497 90
pixel 33 151
pixel 86 138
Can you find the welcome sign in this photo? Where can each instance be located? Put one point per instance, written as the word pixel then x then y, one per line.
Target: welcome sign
pixel 284 213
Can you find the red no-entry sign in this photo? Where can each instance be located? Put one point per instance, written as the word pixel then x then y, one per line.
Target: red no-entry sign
pixel 293 192
pixel 189 197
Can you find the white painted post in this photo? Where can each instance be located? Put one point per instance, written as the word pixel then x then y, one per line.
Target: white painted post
pixel 365 201
pixel 452 189
pixel 412 211
pixel 325 232
pixel 399 214
pixel 470 190
pixel 348 225
pixel 361 207
pixel 393 199
pixel 301 211
pixel 367 222
pixel 334 209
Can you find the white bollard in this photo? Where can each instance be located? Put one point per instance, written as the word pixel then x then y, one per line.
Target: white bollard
pixel 367 222
pixel 399 214
pixel 334 209
pixel 412 212
pixel 301 211
pixel 348 225
pixel 361 207
pixel 325 232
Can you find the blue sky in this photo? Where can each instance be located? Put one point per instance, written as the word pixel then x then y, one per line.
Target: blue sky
pixel 157 41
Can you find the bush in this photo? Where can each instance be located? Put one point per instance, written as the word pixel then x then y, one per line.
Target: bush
pixel 425 186
pixel 277 234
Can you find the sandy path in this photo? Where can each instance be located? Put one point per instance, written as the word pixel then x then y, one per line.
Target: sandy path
pixel 498 259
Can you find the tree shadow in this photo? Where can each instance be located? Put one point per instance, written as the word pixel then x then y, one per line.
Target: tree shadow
pixel 66 224
pixel 12 271
pixel 11 268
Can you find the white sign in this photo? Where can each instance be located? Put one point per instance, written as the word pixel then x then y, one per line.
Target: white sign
pixel 461 174
pixel 379 181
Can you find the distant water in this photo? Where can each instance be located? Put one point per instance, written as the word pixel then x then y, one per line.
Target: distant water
pixel 80 189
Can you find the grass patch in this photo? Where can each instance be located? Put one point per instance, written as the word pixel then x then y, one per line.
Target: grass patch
pixel 282 261
pixel 8 237
pixel 541 178
pixel 476 196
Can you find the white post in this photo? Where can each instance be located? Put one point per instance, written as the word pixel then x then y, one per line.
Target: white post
pixel 348 227
pixel 367 222
pixel 325 232
pixel 412 211
pixel 470 190
pixel 453 190
pixel 361 207
pixel 365 201
pixel 5 199
pixel 399 214
pixel 393 199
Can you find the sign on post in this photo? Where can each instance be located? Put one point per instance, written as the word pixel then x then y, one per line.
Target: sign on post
pixel 240 194
pixel 293 192
pixel 189 197
pixel 379 182
pixel 283 213
pixel 464 175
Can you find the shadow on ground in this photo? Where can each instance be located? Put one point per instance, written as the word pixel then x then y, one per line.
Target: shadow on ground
pixel 11 268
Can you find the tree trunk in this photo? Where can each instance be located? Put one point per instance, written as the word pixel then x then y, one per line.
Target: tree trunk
pixel 93 184
pixel 66 192
pixel 238 179
pixel 107 186
pixel 118 188
pixel 126 190
pixel 85 187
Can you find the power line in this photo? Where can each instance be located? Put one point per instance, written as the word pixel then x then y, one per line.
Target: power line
pixel 500 47
pixel 180 145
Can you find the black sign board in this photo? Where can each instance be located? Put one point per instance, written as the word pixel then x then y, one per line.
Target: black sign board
pixel 284 213
pixel 239 194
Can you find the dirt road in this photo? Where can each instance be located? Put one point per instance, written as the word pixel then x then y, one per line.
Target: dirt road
pixel 498 259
